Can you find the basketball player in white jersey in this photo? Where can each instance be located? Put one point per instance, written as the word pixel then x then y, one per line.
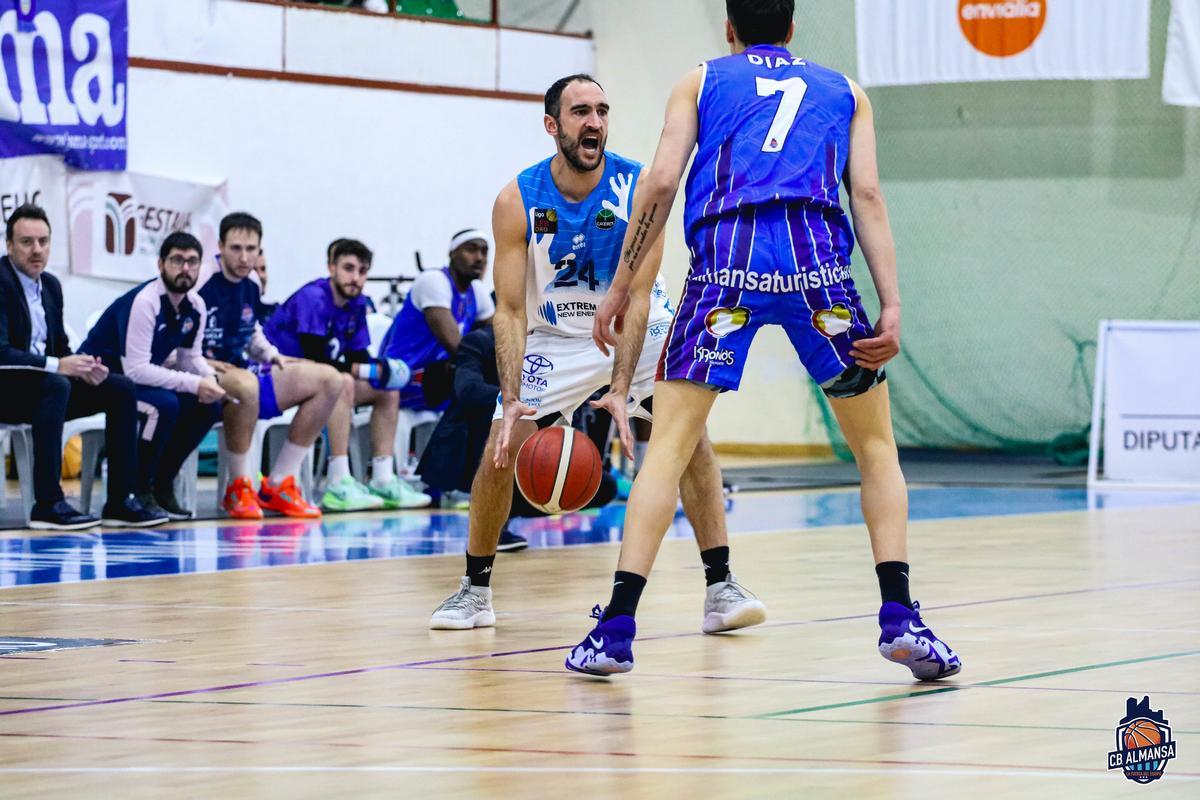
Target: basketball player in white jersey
pixel 558 229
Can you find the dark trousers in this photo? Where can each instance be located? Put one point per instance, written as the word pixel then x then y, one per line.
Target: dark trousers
pixel 173 425
pixel 45 401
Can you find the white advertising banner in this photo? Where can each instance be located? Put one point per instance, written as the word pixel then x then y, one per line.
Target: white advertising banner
pixel 119 219
pixel 1148 378
pixel 1181 73
pixel 42 181
pixel 958 41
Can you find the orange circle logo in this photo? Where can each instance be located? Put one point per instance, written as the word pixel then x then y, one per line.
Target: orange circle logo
pixel 1002 27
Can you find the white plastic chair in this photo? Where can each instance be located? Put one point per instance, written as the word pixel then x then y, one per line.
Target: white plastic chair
pixel 91 429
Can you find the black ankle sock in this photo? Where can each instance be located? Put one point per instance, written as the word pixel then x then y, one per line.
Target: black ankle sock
pixel 627 591
pixel 716 564
pixel 479 569
pixel 893 582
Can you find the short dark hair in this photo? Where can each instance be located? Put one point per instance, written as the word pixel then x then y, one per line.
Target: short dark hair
pixel 554 93
pixel 760 21
pixel 350 247
pixel 329 249
pixel 240 221
pixel 26 211
pixel 180 240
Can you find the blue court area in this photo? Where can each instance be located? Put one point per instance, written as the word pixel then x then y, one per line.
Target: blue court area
pixel 212 546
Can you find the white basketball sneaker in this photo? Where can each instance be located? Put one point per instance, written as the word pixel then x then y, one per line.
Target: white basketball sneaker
pixel 728 606
pixel 469 607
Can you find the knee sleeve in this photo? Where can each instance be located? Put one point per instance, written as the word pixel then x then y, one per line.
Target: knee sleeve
pixel 855 380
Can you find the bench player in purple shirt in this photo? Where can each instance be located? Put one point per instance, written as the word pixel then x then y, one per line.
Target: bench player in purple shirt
pixel 770 244
pixel 326 321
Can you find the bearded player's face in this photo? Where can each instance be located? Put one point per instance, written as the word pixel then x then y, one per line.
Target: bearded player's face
pixel 581 129
pixel 349 274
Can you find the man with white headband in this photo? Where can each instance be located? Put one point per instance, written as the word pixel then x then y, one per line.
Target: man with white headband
pixel 441 306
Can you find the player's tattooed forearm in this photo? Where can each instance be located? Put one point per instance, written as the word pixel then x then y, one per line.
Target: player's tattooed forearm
pixel 634 251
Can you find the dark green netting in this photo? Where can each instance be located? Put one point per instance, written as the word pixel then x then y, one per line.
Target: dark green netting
pixel 1024 213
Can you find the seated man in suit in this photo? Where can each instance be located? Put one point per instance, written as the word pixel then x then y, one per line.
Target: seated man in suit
pixel 440 308
pixel 156 323
pixel 44 384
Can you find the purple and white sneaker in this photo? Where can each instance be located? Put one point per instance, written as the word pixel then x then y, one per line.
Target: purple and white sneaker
pixel 607 650
pixel 905 639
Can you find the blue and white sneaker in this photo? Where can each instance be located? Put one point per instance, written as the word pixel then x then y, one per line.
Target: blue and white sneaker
pixel 607 650
pixel 905 639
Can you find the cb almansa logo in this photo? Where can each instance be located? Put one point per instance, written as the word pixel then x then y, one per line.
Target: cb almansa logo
pixel 1144 743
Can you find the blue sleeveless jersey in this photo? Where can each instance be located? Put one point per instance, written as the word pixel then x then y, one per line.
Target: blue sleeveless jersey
pixel 774 130
pixel 574 248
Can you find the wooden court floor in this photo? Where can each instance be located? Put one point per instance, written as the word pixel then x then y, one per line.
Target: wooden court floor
pixel 323 680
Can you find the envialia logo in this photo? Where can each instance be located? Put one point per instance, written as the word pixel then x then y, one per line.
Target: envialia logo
pixel 1002 27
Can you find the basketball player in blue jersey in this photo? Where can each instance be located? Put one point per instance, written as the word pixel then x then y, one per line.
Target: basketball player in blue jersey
pixel 558 231
pixel 770 245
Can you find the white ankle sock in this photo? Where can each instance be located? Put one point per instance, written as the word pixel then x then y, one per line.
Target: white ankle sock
pixel 339 467
pixel 291 456
pixel 382 470
pixel 239 466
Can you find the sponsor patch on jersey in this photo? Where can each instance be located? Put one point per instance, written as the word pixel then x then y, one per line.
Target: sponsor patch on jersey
pixel 247 313
pixel 545 220
pixel 187 326
pixel 718 357
pixel 605 219
pixel 832 321
pixel 724 321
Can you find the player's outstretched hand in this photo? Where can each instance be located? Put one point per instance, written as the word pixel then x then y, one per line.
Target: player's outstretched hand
pixel 281 361
pixel 610 319
pixel 616 405
pixel 875 352
pixel 513 410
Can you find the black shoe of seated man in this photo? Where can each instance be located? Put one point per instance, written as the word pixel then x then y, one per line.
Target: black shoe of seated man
pixel 130 513
pixel 151 506
pixel 510 542
pixel 61 516
pixel 168 502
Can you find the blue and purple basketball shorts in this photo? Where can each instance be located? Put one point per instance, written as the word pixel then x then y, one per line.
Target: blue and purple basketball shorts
pixel 722 309
pixel 268 406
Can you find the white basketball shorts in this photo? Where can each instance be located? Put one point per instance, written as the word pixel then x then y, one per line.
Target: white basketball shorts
pixel 560 373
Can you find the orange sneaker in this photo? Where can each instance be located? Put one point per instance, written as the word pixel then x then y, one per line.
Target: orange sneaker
pixel 240 501
pixel 286 498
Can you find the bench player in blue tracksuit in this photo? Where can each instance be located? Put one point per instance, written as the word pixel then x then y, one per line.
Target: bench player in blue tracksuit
pixel 152 334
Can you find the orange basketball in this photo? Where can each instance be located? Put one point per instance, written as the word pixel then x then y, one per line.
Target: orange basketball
pixel 1142 734
pixel 558 469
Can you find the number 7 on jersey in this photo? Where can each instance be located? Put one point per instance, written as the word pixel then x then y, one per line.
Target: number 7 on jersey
pixel 793 94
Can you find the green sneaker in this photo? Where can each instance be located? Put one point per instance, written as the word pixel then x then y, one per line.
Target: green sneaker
pixel 348 494
pixel 396 493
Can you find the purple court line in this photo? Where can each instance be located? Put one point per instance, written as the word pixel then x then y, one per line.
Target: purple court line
pixel 145 661
pixel 479 657
pixel 28 658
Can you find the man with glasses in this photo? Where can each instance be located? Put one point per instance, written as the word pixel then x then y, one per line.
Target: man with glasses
pixel 136 336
